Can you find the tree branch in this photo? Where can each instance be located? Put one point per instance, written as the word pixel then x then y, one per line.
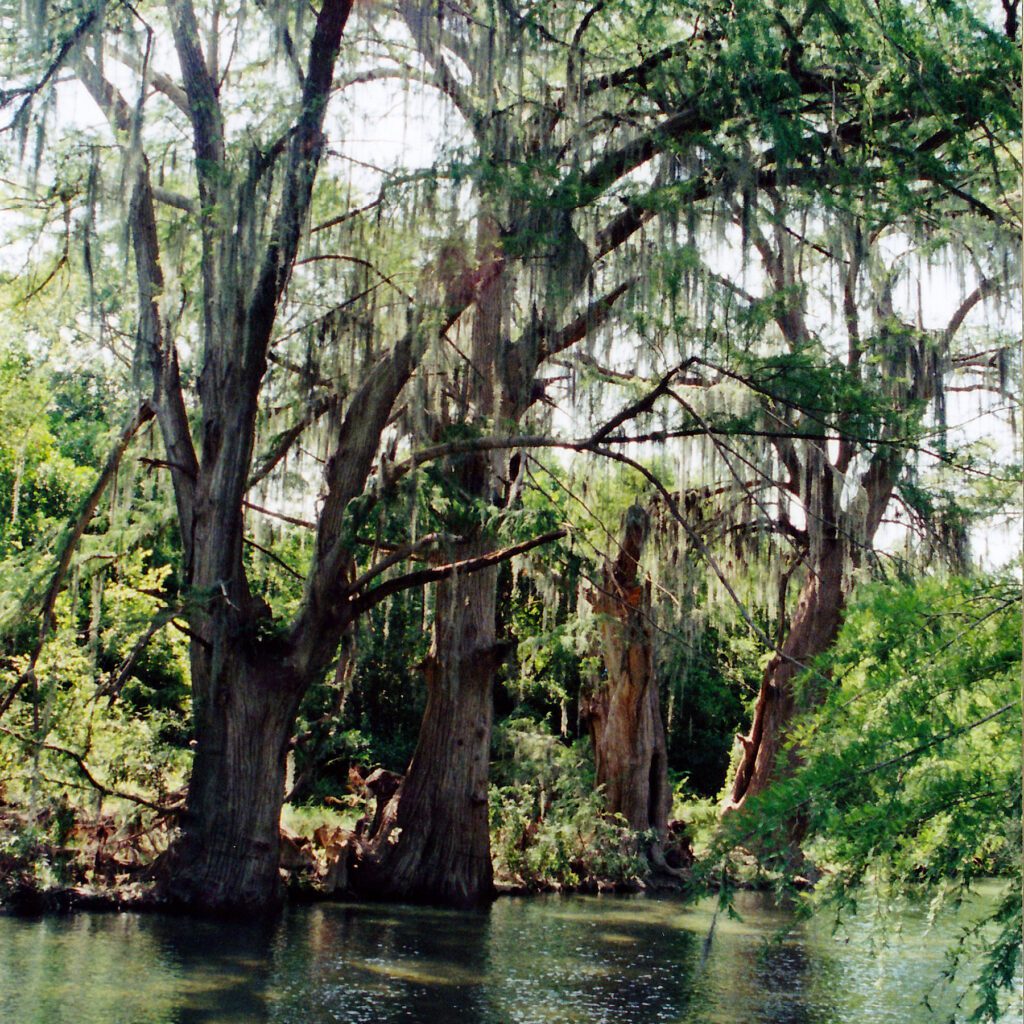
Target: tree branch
pixel 595 315
pixel 284 441
pixel 203 104
pixel 87 773
pixel 986 288
pixel 421 577
pixel 420 17
pixel 66 548
pixel 56 64
pixel 400 554
pixel 161 82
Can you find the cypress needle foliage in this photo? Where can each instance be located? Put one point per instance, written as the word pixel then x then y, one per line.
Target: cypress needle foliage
pixel 909 782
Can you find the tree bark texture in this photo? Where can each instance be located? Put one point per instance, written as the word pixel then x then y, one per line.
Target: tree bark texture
pixel 227 856
pixel 245 688
pixel 813 627
pixel 623 713
pixel 433 844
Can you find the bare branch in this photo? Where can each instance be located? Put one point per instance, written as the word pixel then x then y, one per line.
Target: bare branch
pixel 285 440
pixel 641 405
pixel 116 683
pixel 984 290
pixel 56 64
pixel 274 558
pixel 423 24
pixel 306 524
pixel 423 576
pixel 161 82
pixel 175 199
pixel 400 554
pixel 594 316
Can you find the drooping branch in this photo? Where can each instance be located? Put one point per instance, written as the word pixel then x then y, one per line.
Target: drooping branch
pixel 66 548
pixel 87 773
pixel 705 552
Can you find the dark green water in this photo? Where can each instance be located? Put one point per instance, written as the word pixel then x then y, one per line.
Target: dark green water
pixel 618 960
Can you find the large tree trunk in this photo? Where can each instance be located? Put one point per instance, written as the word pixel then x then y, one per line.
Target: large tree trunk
pixel 624 713
pixel 227 856
pixel 433 845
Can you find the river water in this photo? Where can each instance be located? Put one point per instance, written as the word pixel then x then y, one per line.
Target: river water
pixel 614 959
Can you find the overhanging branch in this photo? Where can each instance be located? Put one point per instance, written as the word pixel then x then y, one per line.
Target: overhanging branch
pixel 87 774
pixel 421 577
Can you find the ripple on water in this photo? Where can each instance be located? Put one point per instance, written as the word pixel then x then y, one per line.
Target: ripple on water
pixel 592 960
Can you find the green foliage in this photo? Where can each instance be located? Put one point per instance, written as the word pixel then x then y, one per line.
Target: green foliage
pixel 547 825
pixel 96 692
pixel 40 476
pixel 371 718
pixel 704 709
pixel 910 776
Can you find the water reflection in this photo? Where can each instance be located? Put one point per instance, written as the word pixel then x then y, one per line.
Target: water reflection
pixel 368 963
pixel 583 959
pixel 222 974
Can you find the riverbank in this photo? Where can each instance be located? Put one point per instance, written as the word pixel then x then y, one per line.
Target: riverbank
pixel 57 862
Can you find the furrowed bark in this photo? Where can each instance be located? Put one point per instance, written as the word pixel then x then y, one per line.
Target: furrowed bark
pixel 440 852
pixel 246 688
pixel 226 858
pixel 433 844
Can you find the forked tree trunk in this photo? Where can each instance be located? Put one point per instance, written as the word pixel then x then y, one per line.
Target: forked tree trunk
pixel 228 853
pixel 624 713
pixel 813 629
pixel 433 845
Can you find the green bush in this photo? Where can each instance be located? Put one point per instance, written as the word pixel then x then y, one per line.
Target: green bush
pixel 548 827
